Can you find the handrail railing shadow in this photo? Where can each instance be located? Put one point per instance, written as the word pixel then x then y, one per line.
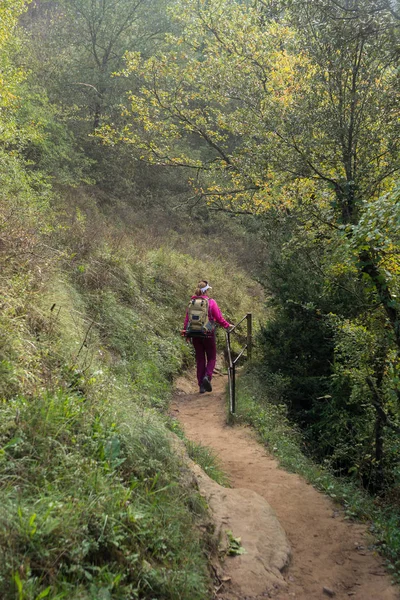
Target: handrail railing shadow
pixel 232 362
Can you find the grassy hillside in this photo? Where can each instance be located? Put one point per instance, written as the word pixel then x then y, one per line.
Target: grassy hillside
pixel 92 304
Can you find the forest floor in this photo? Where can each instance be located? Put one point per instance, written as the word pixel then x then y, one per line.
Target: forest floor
pixel 330 556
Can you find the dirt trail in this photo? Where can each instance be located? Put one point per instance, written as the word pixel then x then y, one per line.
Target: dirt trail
pixel 330 556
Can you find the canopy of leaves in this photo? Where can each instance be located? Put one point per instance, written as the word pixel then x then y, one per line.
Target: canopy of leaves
pixel 290 110
pixel 271 110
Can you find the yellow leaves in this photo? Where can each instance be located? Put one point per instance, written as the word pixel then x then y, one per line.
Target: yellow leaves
pixel 287 77
pixel 11 76
pixel 10 10
pixel 226 84
pixel 340 269
pixel 132 60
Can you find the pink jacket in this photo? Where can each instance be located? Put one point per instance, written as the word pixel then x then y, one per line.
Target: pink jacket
pixel 214 313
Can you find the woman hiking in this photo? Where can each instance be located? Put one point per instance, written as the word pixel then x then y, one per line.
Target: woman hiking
pixel 202 315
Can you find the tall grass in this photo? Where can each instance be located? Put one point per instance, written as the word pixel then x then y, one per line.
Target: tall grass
pixel 91 508
pixel 92 504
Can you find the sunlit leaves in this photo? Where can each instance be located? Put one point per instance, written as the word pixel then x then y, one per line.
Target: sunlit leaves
pixel 215 98
pixel 378 232
pixel 10 10
pixel 296 113
pixel 255 104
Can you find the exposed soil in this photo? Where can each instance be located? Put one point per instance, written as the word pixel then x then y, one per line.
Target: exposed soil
pixel 331 557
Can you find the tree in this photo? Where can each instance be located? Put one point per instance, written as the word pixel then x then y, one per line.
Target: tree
pixel 286 113
pixel 261 93
pixel 292 108
pixel 80 44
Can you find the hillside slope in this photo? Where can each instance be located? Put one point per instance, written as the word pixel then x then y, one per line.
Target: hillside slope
pixel 92 501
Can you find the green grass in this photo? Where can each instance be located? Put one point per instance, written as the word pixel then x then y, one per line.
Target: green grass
pixel 208 461
pixel 92 500
pixel 93 509
pixel 285 442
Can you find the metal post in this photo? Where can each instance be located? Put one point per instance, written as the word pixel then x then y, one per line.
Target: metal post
pixel 232 363
pixel 233 389
pixel 228 347
pixel 249 336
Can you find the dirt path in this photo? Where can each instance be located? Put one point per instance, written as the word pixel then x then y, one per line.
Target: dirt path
pixel 330 556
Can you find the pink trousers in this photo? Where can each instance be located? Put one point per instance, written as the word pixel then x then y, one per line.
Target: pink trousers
pixel 206 356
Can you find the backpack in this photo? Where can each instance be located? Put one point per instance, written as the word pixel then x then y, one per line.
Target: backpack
pixel 199 324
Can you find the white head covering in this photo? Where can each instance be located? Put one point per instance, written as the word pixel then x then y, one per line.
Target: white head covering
pixel 204 289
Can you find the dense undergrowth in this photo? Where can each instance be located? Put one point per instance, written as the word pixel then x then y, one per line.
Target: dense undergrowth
pixel 93 505
pixel 94 282
pixel 261 405
pixel 99 251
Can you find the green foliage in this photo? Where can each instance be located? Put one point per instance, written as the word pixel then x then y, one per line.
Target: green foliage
pixel 279 116
pixel 46 143
pixel 235 547
pixel 334 358
pixel 10 11
pixel 274 116
pixel 90 508
pixel 270 111
pixel 93 502
pixel 77 46
pixel 302 360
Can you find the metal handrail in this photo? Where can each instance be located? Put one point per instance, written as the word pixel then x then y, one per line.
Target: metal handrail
pixel 232 363
pixel 239 355
pixel 241 321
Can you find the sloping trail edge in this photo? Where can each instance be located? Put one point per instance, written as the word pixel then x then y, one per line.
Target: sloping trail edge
pixel 330 556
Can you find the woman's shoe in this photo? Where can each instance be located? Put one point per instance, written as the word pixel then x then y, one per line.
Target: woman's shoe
pixel 207 384
pixel 202 390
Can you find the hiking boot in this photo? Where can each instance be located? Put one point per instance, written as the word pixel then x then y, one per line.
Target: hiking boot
pixel 207 384
pixel 202 390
